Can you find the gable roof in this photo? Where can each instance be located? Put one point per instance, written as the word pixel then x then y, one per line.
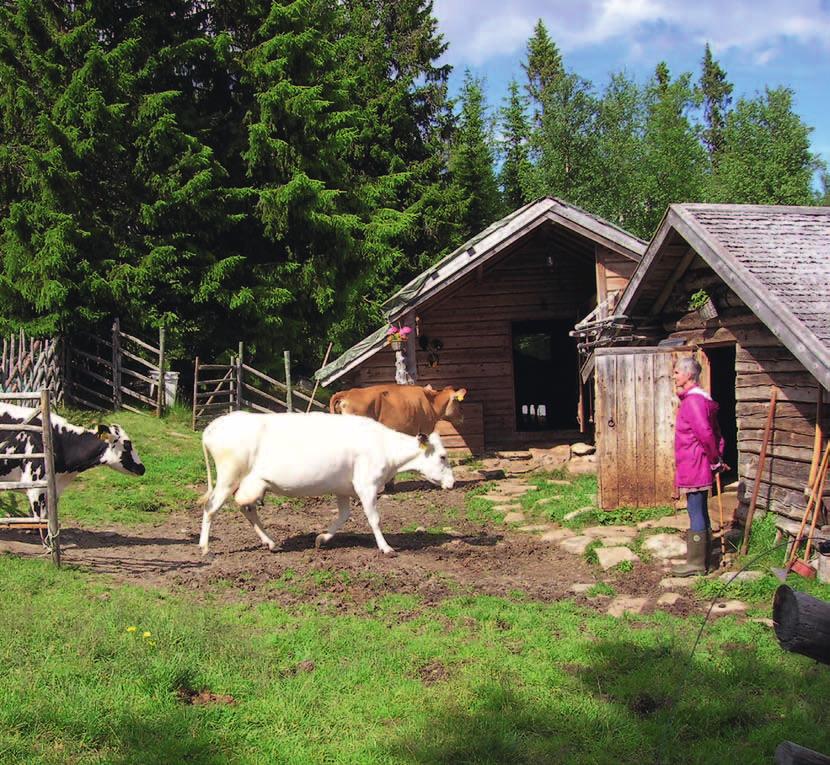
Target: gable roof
pixel 473 253
pixel 776 259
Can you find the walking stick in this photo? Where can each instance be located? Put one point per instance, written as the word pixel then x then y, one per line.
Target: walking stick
pixel 720 508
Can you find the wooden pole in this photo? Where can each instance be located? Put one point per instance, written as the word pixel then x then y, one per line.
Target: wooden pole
pixel 817 508
pixel 195 391
pixel 162 382
pixel 761 459
pixel 818 440
pixel 288 401
pixel 51 488
pixel 116 364
pixel 797 541
pixel 722 532
pixel 317 382
pixel 239 373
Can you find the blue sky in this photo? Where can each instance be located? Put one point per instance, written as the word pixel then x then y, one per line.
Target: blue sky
pixel 758 42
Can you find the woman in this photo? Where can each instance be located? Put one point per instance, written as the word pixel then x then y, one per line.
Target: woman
pixel 698 448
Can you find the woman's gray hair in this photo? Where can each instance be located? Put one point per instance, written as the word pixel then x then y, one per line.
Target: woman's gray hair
pixel 690 365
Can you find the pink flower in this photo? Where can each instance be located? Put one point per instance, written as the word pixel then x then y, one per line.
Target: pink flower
pixel 393 330
pixel 404 331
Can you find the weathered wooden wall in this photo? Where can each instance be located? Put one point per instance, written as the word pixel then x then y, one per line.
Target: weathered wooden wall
pixel 472 320
pixel 613 272
pixel 761 362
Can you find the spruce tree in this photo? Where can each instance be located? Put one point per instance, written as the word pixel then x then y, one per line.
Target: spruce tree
pixel 471 163
pixel 515 131
pixel 716 91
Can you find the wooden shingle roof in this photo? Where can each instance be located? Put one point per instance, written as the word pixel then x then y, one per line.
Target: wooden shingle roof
pixel 775 258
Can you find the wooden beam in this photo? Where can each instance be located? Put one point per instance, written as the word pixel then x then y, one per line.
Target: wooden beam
pixel 675 277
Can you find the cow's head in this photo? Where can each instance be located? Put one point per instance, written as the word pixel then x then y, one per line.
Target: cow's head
pixel 120 453
pixel 452 408
pixel 433 462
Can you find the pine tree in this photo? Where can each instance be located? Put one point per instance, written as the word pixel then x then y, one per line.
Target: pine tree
pixel 717 96
pixel 543 67
pixel 766 157
pixel 515 166
pixel 471 163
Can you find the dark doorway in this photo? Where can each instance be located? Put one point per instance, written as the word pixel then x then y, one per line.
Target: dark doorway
pixel 722 376
pixel 545 375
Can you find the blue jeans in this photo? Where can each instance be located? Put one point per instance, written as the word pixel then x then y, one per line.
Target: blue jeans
pixel 697 505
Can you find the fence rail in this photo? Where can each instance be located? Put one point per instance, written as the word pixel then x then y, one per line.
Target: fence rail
pixel 28 363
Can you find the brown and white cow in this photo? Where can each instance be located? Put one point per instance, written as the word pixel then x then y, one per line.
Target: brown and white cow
pixel 410 409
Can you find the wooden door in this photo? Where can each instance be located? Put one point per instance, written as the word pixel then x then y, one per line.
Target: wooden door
pixel 635 412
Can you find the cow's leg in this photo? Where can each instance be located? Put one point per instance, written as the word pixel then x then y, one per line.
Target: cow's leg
pixel 344 507
pixel 220 494
pixel 369 498
pixel 37 502
pixel 249 511
pixel 250 490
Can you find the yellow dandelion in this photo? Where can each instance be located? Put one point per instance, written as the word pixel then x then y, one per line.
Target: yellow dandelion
pixel 146 634
pixel 131 629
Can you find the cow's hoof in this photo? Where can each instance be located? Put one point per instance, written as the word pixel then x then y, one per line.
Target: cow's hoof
pixel 320 539
pixel 273 547
pixel 390 553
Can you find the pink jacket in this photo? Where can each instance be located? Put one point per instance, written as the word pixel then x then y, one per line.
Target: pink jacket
pixel 698 444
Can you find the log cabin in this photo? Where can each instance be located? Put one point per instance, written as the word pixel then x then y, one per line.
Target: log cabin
pixel 766 269
pixel 495 317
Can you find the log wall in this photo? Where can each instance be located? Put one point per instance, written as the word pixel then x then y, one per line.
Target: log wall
pixel 761 362
pixel 472 322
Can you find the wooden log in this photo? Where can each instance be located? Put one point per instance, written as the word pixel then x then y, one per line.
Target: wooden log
pixel 802 623
pixel 51 486
pixel 161 399
pixel 195 391
pixel 14 485
pixel 116 364
pixel 140 342
pixel 788 753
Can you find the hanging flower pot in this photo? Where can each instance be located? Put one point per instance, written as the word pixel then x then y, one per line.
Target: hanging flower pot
pixel 397 345
pixel 704 305
pixel 396 336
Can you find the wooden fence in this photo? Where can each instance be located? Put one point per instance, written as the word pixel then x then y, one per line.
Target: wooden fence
pixel 222 388
pixel 8 433
pixel 29 364
pixel 119 372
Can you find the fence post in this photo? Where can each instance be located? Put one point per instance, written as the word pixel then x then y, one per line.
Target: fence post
pixel 51 491
pixel 289 404
pixel 195 391
pixel 162 382
pixel 116 364
pixel 239 376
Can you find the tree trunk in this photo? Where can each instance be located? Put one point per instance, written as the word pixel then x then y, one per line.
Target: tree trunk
pixel 802 623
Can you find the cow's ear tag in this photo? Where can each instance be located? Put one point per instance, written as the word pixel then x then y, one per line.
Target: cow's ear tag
pixel 460 395
pixel 423 441
pixel 103 433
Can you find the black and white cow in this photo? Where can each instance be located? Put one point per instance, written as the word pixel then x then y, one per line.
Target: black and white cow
pixel 76 450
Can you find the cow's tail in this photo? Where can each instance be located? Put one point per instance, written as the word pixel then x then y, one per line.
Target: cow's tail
pixel 334 403
pixel 203 500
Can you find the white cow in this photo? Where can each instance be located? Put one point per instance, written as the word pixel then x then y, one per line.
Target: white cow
pixel 306 455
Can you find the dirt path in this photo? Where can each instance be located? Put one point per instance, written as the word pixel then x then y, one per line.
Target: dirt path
pixel 440 554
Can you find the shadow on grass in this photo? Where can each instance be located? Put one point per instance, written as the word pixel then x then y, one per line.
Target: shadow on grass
pixel 631 704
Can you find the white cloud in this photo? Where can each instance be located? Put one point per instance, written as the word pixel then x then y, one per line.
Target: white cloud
pixel 490 28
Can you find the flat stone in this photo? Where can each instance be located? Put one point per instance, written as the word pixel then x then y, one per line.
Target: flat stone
pixel 492 474
pixel 668 598
pixel 576 513
pixel 557 482
pixel 602 531
pixel 512 507
pixel 611 556
pixel 762 620
pixel 514 517
pixel 575 545
pixel 557 535
pixel 680 582
pixel 742 576
pixel 626 604
pixel 520 468
pixel 581 449
pixel 562 450
pixel 582 465
pixel 535 527
pixel 665 546
pixel 514 455
pixel 513 489
pixel 581 587
pixel 550 500
pixel 724 607
pixel 676 521
pixel 449 531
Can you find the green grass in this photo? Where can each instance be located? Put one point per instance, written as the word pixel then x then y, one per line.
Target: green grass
pixel 476 679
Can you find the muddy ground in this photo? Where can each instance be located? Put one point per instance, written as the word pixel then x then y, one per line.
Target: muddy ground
pixel 440 553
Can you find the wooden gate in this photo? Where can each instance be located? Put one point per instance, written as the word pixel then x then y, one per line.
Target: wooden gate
pixel 7 437
pixel 28 364
pixel 635 412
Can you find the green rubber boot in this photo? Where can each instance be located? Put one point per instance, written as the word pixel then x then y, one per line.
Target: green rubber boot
pixel 697 555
